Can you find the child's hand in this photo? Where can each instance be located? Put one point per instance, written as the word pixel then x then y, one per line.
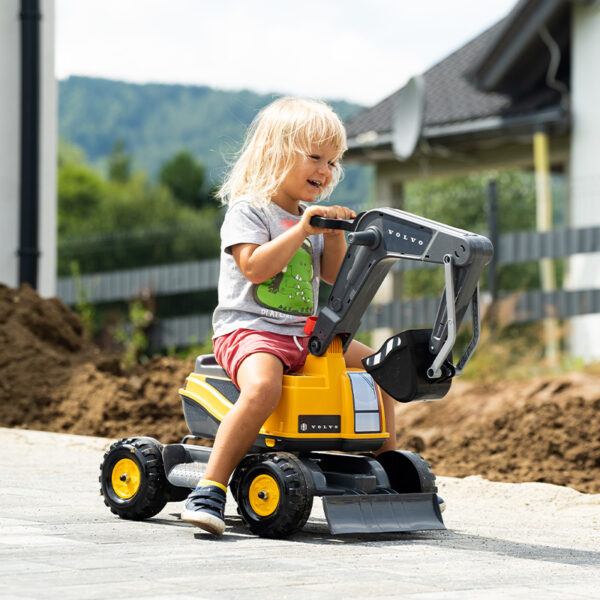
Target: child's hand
pixel 330 212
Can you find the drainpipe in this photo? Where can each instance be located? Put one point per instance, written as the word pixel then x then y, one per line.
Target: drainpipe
pixel 30 125
pixel 541 160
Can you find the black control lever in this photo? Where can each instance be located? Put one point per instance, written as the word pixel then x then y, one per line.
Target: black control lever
pixel 325 223
pixel 371 238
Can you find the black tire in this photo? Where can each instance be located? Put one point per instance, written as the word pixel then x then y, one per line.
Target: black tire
pixel 132 478
pixel 408 472
pixel 282 476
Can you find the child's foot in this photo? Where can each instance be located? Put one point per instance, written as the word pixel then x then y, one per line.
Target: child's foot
pixel 205 508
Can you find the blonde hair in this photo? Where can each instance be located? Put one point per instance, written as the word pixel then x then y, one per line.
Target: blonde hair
pixel 276 136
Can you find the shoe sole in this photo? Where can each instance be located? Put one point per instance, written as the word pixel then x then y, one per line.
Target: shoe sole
pixel 205 521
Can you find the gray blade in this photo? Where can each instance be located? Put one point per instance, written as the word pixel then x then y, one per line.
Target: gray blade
pixel 382 513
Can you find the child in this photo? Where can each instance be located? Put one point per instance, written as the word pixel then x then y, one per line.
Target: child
pixel 272 259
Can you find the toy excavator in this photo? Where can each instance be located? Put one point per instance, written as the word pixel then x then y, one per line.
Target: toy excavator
pixel 326 410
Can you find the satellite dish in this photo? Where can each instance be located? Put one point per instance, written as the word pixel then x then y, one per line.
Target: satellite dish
pixel 407 120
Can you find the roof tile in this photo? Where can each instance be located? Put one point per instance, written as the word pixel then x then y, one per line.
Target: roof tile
pixel 449 95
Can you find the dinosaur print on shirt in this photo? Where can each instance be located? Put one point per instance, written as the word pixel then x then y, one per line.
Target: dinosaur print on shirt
pixel 291 290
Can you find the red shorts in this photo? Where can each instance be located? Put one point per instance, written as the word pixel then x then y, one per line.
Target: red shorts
pixel 232 348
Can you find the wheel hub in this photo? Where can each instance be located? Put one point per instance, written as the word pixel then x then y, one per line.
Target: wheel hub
pixel 264 495
pixel 126 478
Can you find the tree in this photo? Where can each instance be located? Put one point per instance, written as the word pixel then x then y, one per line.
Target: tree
pixel 69 154
pixel 119 163
pixel 106 225
pixel 184 176
pixel 80 193
pixel 463 202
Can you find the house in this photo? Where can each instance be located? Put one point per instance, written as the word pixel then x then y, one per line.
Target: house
pixel 28 141
pixel 529 82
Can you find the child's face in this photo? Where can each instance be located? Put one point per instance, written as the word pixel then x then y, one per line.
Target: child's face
pixel 309 176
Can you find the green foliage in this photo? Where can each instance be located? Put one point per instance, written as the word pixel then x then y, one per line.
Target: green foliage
pixel 138 204
pixel 516 352
pixel 69 154
pixel 133 334
pixel 80 193
pixel 83 308
pixel 182 241
pixel 155 121
pixel 460 202
pixel 109 225
pixel 463 202
pixel 119 163
pixel 184 177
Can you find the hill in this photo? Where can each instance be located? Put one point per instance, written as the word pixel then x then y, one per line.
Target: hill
pixel 157 120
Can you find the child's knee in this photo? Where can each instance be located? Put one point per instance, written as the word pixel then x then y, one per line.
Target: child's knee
pixel 263 393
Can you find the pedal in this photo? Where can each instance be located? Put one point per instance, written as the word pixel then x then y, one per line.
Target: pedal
pixel 187 474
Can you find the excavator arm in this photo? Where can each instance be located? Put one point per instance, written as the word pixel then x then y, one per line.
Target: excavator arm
pixel 377 239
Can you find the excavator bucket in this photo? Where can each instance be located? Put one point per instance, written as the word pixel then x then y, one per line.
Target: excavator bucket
pixel 379 513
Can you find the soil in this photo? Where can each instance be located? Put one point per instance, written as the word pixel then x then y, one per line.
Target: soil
pixel 53 378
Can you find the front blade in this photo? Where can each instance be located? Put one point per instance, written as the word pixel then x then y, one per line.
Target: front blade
pixel 382 513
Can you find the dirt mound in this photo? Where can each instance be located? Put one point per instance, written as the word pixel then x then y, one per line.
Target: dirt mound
pixel 545 429
pixel 53 378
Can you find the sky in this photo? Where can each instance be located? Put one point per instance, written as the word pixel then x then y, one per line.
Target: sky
pixel 355 50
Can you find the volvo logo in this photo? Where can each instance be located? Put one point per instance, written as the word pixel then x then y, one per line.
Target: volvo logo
pixel 405 237
pixel 319 423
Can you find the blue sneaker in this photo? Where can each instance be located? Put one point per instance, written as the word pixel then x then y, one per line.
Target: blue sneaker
pixel 205 508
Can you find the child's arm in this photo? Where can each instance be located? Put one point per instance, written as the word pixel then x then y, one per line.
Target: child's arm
pixel 261 262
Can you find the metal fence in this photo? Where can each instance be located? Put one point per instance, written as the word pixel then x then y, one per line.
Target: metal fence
pixel 197 276
pixel 162 280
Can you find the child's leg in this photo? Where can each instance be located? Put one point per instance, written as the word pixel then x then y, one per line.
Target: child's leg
pixel 260 378
pixel 357 351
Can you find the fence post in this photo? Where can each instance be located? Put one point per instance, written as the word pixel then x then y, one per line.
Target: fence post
pixel 541 159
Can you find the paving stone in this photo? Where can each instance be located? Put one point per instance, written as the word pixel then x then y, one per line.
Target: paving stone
pixel 503 541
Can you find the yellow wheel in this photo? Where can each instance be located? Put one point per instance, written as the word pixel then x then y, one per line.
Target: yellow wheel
pixel 126 478
pixel 132 478
pixel 263 495
pixel 274 493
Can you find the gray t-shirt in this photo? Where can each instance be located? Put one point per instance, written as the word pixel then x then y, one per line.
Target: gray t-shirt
pixel 280 304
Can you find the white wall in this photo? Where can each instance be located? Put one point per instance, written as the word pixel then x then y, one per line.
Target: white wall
pixel 10 85
pixel 48 152
pixel 584 269
pixel 9 140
